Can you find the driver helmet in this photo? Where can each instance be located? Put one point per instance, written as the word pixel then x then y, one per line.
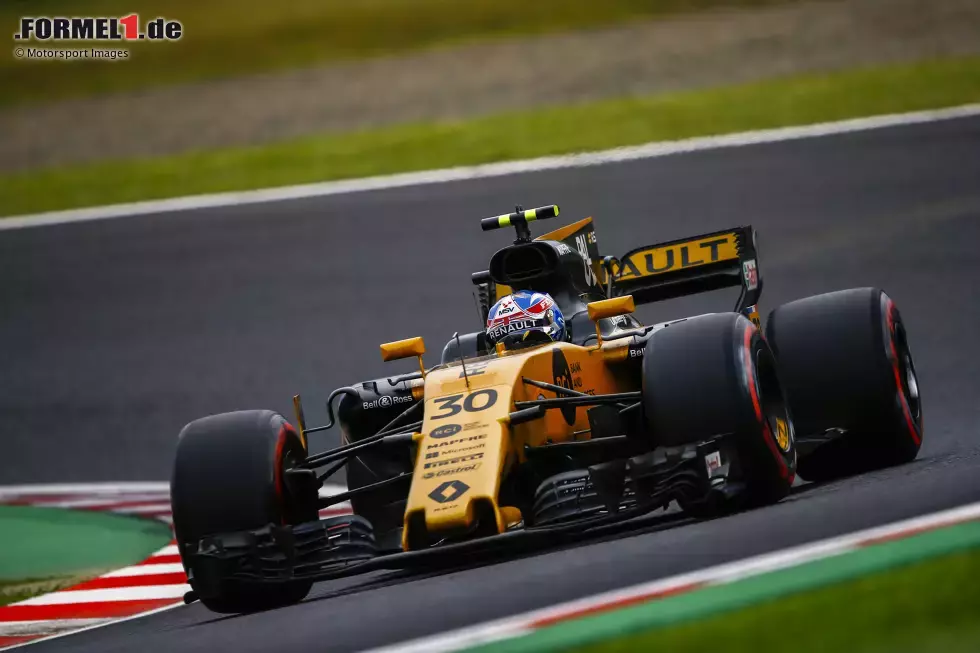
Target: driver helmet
pixel 525 317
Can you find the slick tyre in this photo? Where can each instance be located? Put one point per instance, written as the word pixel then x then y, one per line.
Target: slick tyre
pixel 845 362
pixel 715 376
pixel 228 476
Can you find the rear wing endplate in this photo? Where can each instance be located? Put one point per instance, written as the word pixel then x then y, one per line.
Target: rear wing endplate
pixel 720 259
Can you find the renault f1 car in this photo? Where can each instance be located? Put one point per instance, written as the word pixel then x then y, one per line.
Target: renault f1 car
pixel 527 443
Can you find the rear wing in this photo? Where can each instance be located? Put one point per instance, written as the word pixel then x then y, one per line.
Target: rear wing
pixel 687 266
pixel 721 259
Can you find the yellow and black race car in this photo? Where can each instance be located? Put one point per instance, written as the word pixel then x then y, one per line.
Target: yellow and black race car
pixel 523 444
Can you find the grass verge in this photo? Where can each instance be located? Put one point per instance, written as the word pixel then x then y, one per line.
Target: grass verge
pixel 560 130
pixel 225 38
pixel 48 549
pixel 930 606
pixel 14 591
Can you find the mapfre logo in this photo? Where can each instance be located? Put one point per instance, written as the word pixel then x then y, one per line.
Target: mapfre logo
pixel 98 28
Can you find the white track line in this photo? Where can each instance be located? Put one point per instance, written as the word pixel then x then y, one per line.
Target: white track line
pixel 104 492
pixel 150 509
pixel 48 627
pixel 169 550
pixel 146 570
pixel 617 155
pixel 102 501
pixel 98 625
pixel 95 489
pixel 523 624
pixel 134 593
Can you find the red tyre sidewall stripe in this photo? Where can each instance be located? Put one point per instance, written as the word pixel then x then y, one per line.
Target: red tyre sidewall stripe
pixel 277 472
pixel 906 411
pixel 753 391
pixel 750 373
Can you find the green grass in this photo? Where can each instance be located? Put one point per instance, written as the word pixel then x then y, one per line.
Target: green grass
pixel 55 543
pixel 232 37
pixel 48 549
pixel 790 101
pixel 931 606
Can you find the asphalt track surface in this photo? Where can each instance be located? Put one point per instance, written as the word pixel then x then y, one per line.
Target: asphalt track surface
pixel 115 333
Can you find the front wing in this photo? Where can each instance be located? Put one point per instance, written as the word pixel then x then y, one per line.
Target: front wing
pixel 344 546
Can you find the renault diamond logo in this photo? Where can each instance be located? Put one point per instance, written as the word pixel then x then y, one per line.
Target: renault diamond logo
pixel 449 491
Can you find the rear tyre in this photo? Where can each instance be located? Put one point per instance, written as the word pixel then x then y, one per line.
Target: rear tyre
pixel 228 476
pixel 715 375
pixel 845 362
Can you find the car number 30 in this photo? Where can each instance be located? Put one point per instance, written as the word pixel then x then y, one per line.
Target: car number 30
pixel 473 403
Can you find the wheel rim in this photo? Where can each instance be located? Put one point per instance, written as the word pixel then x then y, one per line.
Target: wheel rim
pixel 774 407
pixel 910 383
pixel 781 432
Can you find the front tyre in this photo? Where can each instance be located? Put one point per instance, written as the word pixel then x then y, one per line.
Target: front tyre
pixel 228 476
pixel 845 362
pixel 714 376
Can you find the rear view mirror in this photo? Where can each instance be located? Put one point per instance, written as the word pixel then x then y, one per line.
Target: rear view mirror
pixel 392 351
pixel 611 307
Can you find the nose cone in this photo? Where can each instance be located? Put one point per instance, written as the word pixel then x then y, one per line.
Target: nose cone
pixel 460 459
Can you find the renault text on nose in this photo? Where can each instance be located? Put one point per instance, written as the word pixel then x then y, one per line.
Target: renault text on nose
pixel 125 28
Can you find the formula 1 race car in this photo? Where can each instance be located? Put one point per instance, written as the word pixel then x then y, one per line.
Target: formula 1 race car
pixel 524 444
